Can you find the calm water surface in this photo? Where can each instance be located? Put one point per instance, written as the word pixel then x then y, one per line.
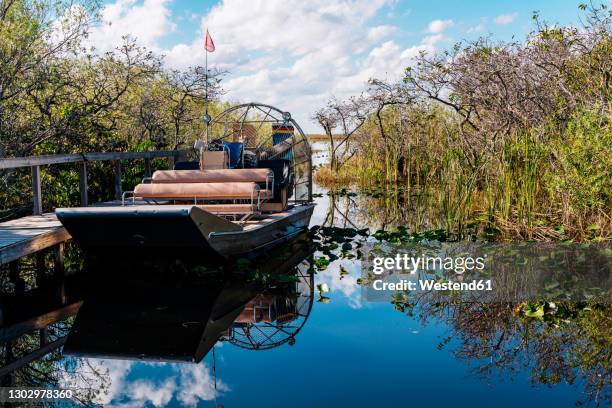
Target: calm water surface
pixel 338 352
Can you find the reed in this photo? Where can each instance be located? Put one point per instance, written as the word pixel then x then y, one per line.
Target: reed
pixel 533 189
pixel 513 139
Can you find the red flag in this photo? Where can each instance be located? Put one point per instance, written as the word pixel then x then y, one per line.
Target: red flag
pixel 208 42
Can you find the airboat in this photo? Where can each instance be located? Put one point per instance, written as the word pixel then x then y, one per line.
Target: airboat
pixel 250 189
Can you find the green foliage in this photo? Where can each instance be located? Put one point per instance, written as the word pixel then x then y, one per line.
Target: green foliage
pixel 58 97
pixel 584 159
pixel 512 141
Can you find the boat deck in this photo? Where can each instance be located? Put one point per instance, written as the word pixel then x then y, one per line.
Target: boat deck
pixel 27 235
pixel 256 221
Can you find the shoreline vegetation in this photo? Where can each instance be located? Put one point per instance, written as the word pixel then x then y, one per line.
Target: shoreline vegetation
pixel 59 95
pixel 513 138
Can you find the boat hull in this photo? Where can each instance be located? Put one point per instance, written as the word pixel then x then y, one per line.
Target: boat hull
pixel 152 227
pixel 282 227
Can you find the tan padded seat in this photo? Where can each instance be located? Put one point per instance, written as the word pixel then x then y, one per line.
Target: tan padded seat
pixel 216 191
pixel 213 176
pixel 212 160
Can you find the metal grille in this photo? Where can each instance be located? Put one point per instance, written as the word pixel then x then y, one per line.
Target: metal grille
pixel 252 124
pixel 277 317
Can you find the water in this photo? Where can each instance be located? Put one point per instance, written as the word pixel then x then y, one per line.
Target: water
pixel 336 350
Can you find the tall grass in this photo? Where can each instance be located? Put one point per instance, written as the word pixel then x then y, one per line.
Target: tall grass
pixel 513 139
pixel 533 188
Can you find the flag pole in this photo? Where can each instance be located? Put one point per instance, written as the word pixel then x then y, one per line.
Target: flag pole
pixel 209 46
pixel 206 63
pixel 206 94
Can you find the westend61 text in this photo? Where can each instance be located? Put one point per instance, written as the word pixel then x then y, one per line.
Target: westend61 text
pixel 430 284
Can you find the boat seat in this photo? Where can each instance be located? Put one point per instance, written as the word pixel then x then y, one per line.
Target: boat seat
pixel 213 176
pixel 203 191
pixel 210 191
pixel 215 160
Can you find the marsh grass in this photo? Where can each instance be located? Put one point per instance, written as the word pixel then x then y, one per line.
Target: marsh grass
pixel 557 188
pixel 509 138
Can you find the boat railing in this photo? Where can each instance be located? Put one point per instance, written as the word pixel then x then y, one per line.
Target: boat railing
pixel 81 159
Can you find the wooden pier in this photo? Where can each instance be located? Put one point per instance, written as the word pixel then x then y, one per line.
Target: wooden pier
pixel 31 314
pixel 30 311
pixel 31 234
pixel 28 235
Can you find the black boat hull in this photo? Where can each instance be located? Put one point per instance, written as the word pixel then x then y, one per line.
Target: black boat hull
pixel 174 227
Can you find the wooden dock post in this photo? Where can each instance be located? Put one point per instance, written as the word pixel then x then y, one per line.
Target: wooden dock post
pixel 44 336
pixel 60 271
pixel 147 168
pixel 41 267
pixel 83 183
pixel 9 379
pixel 14 277
pixel 118 192
pixel 36 190
pixel 58 267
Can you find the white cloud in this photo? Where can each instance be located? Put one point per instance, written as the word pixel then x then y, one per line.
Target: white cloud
pixel 316 56
pixel 243 30
pixel 346 286
pixel 197 385
pixel 379 32
pixel 289 53
pixel 141 392
pixel 433 39
pixel 147 22
pixel 505 18
pixel 437 26
pixel 481 26
pixel 106 375
pixel 390 59
pixel 187 383
pixel 477 28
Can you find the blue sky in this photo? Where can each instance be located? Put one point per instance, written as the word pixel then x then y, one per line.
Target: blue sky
pixel 297 54
pixel 412 16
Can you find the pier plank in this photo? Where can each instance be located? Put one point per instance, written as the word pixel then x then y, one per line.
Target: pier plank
pixel 27 235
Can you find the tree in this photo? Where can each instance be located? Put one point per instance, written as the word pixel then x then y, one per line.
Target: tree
pixel 347 117
pixel 33 39
pixel 193 86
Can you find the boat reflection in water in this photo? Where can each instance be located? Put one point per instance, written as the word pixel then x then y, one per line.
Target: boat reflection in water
pixel 161 318
pixel 165 310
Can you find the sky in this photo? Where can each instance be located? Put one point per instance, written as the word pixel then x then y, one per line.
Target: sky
pixel 297 54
